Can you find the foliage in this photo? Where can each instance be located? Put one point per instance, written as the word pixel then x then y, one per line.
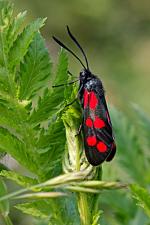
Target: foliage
pixel 4 205
pixel 142 197
pixel 38 131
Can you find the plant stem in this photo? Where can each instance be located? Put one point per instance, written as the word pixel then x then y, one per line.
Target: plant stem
pixel 7 220
pixel 82 197
pixel 83 207
pixel 77 153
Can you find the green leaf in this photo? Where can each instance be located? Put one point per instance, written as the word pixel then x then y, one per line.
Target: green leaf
pixel 128 146
pixel 142 197
pixel 4 84
pixel 6 11
pixel 2 154
pixel 2 166
pixel 45 209
pixel 51 146
pixel 96 218
pixel 4 205
pixel 16 135
pixel 39 208
pixel 144 122
pixel 19 179
pixel 35 71
pixel 144 118
pixel 62 69
pixel 15 28
pixel 20 47
pixel 74 155
pixel 52 100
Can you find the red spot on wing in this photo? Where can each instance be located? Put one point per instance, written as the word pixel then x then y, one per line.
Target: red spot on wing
pixel 91 140
pixel 89 122
pixel 85 97
pixel 93 100
pixel 101 147
pixel 99 123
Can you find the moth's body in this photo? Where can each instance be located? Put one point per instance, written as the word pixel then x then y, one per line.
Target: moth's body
pixel 97 128
pixel 99 141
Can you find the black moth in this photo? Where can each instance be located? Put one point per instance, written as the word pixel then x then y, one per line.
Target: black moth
pixel 99 140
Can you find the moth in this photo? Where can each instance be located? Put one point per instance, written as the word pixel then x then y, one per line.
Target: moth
pixel 99 141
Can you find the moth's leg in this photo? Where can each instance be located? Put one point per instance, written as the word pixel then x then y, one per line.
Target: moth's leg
pixel 75 98
pixel 71 102
pixel 70 73
pixel 59 85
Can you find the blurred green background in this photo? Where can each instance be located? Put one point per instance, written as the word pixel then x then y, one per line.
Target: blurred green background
pixel 116 38
pixel 115 35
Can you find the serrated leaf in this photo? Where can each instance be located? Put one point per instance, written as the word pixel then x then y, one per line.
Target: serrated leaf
pixel 16 135
pixel 15 28
pixel 54 210
pixel 52 100
pixel 38 208
pixel 62 69
pixel 143 121
pixel 128 146
pixel 20 47
pixel 144 118
pixel 142 197
pixel 51 146
pixel 4 84
pixel 35 71
pixel 4 205
pixel 2 166
pixel 19 179
pixel 6 11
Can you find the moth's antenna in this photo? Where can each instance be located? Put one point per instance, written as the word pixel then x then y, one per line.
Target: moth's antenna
pixel 78 45
pixel 69 50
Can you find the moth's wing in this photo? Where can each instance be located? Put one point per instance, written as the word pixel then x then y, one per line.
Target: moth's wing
pixel 112 153
pixel 98 139
pixel 109 124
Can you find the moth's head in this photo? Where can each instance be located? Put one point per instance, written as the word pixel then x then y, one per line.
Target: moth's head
pixel 84 74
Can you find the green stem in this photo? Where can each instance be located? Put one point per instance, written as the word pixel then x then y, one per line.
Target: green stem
pixel 83 207
pixel 77 153
pixel 7 220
